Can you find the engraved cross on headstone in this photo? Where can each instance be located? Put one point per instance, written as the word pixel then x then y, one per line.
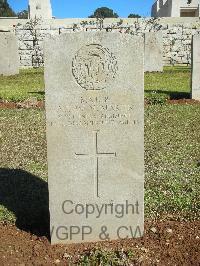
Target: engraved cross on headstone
pixel 96 155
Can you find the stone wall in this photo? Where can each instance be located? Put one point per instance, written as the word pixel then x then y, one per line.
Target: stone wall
pixel 177 35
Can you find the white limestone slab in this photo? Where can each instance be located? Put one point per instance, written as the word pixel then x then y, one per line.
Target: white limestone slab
pixel 196 67
pixel 9 57
pixel 153 52
pixel 95 131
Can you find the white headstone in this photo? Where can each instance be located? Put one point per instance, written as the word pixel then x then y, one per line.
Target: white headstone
pixel 40 9
pixel 153 59
pixel 196 67
pixel 95 130
pixel 9 57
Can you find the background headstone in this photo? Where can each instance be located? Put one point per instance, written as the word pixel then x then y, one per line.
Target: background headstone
pixel 153 59
pixel 94 104
pixel 196 67
pixel 9 57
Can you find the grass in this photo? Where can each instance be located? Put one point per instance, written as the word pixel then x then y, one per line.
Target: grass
pixel 172 170
pixel 172 151
pixel 28 84
pixel 23 191
pixel 172 155
pixel 174 82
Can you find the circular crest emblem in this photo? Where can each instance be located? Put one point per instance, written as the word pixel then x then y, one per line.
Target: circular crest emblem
pixel 94 66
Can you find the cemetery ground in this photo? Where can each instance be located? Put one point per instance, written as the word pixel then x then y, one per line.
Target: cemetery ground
pixel 172 184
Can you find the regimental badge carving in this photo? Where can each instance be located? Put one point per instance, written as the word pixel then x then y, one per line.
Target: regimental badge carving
pixel 94 66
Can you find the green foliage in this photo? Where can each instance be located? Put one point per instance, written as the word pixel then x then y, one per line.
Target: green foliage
pixel 29 83
pixel 173 81
pixel 154 97
pixel 134 16
pixel 6 10
pixel 106 257
pixel 23 14
pixel 104 12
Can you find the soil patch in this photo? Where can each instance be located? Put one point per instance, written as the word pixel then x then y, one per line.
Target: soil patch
pixel 183 101
pixel 41 104
pixel 164 243
pixel 26 104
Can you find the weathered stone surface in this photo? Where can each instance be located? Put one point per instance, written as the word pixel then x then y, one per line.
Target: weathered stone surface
pixel 153 59
pixel 176 43
pixel 94 104
pixel 40 9
pixel 196 67
pixel 9 57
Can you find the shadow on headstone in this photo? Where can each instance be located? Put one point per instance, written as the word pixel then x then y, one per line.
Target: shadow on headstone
pixel 26 196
